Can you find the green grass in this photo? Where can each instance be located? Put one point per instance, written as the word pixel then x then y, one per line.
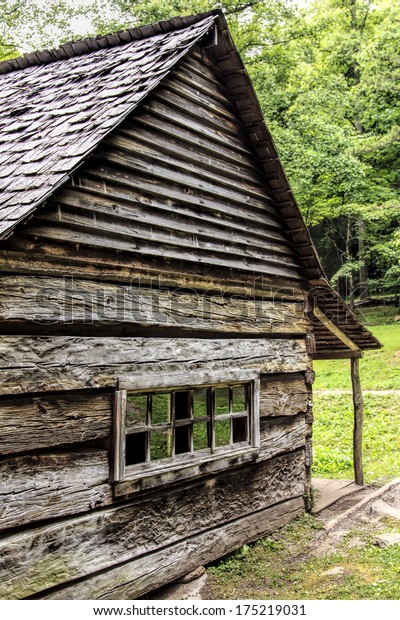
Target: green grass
pixel 333 413
pixel 379 369
pixel 332 436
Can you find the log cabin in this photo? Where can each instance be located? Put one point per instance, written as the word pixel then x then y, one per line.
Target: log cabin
pixel 161 303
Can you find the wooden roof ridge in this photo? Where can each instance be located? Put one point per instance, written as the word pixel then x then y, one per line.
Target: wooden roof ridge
pixel 88 45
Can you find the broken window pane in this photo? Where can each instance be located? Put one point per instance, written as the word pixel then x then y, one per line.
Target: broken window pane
pixel 199 403
pixel 160 445
pixel 182 439
pixel 135 448
pixel 136 410
pixel 239 429
pixel 160 408
pixel 221 401
pixel 222 433
pixel 182 405
pixel 238 398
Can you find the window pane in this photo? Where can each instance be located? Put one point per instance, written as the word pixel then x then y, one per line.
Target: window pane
pixel 136 409
pixel 239 398
pixel 160 445
pixel 201 438
pixel 221 400
pixel 199 403
pixel 136 448
pixel 239 429
pixel 160 408
pixel 182 439
pixel 182 409
pixel 223 433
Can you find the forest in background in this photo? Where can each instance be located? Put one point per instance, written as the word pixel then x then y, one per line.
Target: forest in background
pixel 327 74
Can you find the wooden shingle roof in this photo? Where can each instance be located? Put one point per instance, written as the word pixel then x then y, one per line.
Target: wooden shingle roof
pixel 57 106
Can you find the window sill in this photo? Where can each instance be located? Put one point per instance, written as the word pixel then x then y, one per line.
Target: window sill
pixel 185 467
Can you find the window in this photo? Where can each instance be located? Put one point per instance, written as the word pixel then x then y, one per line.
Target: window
pixel 160 430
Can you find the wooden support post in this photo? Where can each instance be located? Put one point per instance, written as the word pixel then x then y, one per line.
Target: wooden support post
pixel 358 421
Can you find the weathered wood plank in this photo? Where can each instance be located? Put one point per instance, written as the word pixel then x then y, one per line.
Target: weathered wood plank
pixel 153 141
pixel 29 364
pixel 47 421
pixel 161 239
pixel 206 184
pixel 101 237
pixel 112 199
pixel 150 572
pixel 175 193
pixel 167 127
pixel 162 108
pixel 68 301
pixel 285 395
pixel 358 405
pixel 144 155
pixel 45 486
pixel 50 555
pixel 335 329
pixel 335 354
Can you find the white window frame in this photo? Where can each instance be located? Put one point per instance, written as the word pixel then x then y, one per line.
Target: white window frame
pixel 131 478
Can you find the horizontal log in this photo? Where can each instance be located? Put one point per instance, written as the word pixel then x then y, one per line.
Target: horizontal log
pixel 69 301
pixel 45 486
pixel 50 555
pixel 40 364
pixel 47 421
pixel 285 395
pixel 147 573
pixel 53 260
